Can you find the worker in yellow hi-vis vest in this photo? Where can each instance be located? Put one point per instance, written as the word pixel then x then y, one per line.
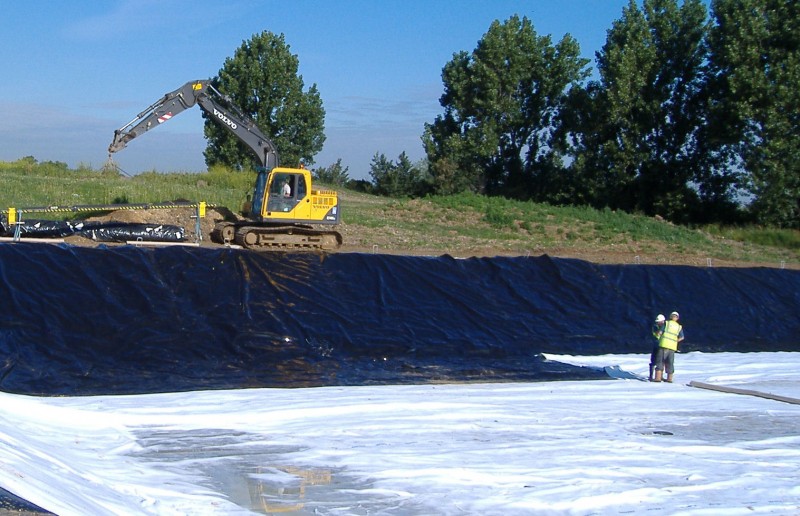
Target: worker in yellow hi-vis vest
pixel 668 340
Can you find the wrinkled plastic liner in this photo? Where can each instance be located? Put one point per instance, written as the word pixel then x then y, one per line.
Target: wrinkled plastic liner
pixel 119 320
pixel 97 231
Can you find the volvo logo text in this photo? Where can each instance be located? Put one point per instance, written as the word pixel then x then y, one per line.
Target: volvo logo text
pixel 230 123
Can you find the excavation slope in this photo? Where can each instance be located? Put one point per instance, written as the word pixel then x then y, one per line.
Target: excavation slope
pixel 122 320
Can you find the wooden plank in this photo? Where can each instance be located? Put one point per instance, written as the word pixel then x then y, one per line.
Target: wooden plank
pixel 746 392
pixel 35 240
pixel 161 244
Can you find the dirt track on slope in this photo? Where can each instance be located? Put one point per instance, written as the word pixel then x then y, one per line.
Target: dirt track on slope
pixel 362 239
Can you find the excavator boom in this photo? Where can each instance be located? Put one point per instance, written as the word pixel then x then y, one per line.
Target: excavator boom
pixel 211 101
pixel 156 114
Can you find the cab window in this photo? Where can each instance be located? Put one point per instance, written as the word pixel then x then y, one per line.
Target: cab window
pixel 283 185
pixel 302 188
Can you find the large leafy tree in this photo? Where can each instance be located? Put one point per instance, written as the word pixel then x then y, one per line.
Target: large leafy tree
pixel 640 131
pixel 262 80
pixel 501 105
pixel 755 55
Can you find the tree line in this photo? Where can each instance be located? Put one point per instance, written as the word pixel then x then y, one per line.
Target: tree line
pixel 693 114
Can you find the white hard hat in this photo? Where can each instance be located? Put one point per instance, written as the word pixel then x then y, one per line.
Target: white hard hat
pixel 675 314
pixel 660 318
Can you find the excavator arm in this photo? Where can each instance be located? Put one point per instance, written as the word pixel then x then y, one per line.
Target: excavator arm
pixel 211 101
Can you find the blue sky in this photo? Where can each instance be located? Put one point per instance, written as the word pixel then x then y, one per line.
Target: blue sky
pixel 76 71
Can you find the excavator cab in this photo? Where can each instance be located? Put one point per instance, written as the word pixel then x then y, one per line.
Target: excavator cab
pixel 287 190
pixel 288 197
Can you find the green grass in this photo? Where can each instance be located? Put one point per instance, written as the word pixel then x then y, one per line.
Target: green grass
pixel 779 238
pixel 523 226
pixel 571 223
pixel 27 184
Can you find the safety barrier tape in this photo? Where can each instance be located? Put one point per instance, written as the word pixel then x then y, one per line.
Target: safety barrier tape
pixel 105 207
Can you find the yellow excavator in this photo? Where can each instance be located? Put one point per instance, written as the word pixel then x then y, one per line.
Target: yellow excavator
pixel 284 208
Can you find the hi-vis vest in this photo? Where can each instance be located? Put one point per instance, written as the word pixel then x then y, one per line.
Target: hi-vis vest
pixel 657 329
pixel 669 339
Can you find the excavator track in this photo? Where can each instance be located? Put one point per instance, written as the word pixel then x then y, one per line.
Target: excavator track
pixel 277 237
pixel 223 233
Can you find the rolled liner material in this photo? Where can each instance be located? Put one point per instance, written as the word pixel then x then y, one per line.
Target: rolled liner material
pixel 94 230
pixel 120 320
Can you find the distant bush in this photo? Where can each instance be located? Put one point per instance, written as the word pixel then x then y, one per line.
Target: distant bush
pixel 334 174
